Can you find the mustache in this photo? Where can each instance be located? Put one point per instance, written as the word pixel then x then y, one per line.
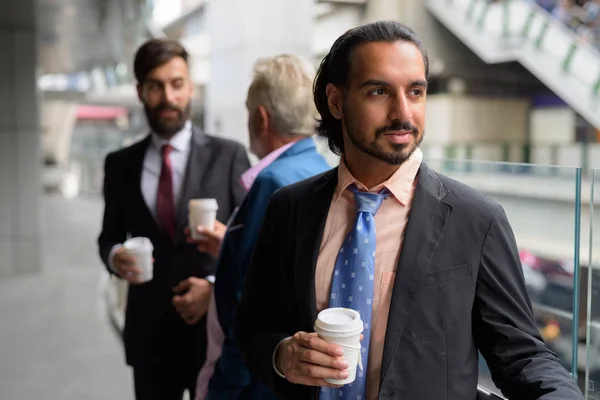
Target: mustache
pixel 166 107
pixel 397 126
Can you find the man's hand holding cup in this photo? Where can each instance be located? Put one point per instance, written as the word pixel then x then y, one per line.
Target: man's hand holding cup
pixel 134 262
pixel 306 359
pixel 125 266
pixel 328 357
pixel 204 230
pixel 207 240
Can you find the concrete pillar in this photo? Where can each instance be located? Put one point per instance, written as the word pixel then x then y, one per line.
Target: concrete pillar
pixel 240 32
pixel 20 156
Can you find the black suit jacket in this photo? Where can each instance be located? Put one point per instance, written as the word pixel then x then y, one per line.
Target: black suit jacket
pixel 459 288
pixel 153 329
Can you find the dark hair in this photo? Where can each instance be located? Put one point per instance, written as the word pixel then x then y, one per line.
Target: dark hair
pixel 155 53
pixel 335 69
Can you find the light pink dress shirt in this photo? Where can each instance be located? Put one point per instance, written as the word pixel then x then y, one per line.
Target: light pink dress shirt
pixel 214 345
pixel 390 222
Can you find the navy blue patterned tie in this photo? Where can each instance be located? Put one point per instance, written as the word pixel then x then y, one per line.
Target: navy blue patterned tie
pixel 353 281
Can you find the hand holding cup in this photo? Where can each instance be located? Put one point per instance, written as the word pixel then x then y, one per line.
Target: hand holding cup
pixel 342 327
pixel 133 262
pixel 125 266
pixel 204 230
pixel 210 240
pixel 308 360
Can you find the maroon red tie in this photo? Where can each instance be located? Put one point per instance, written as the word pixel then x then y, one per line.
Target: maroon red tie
pixel 165 206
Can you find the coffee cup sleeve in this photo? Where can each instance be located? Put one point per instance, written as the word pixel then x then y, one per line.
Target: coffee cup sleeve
pixel 360 360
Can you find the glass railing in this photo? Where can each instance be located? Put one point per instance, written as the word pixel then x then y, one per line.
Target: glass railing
pixel 543 206
pixel 591 274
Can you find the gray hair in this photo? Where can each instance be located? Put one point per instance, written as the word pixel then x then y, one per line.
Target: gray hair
pixel 283 86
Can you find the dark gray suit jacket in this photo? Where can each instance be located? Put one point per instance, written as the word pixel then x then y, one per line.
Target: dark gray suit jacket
pixel 154 332
pixel 459 288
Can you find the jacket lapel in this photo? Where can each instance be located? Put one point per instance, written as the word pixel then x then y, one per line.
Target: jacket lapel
pixel 310 223
pixel 136 159
pixel 425 227
pixel 196 168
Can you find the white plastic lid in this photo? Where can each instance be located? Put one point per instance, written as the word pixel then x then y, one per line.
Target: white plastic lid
pixel 206 204
pixel 339 320
pixel 138 244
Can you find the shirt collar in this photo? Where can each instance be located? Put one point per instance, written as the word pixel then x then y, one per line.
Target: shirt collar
pixel 250 175
pixel 180 141
pixel 400 184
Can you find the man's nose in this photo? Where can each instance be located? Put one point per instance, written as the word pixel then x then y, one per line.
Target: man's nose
pixel 400 109
pixel 169 95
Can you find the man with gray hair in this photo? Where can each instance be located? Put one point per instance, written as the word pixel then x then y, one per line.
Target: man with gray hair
pixel 281 121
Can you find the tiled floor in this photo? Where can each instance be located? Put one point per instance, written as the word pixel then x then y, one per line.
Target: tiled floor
pixel 56 342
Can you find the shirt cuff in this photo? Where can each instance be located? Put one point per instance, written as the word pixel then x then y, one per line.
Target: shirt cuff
pixel 211 279
pixel 111 256
pixel 275 356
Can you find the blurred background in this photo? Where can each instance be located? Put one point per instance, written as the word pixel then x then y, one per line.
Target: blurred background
pixel 513 110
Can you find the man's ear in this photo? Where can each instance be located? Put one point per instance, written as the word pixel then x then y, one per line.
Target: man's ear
pixel 264 120
pixel 334 100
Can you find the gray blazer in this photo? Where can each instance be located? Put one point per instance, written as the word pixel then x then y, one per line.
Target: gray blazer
pixel 459 288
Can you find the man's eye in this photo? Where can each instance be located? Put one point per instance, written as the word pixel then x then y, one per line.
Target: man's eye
pixel 378 92
pixel 153 86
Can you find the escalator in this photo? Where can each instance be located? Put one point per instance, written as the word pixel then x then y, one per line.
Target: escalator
pixel 520 30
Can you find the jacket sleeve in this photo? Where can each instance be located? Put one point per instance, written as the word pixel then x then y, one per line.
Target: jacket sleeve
pixel 232 373
pixel 257 202
pixel 114 230
pixel 505 331
pixel 257 327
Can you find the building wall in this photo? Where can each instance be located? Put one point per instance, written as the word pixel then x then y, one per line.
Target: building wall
pixel 553 125
pixel 241 32
pixel 467 119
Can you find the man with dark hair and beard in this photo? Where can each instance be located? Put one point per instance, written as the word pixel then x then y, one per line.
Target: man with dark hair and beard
pixel 147 187
pixel 430 264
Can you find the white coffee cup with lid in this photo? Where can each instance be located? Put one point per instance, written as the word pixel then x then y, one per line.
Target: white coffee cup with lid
pixel 342 326
pixel 140 248
pixel 202 212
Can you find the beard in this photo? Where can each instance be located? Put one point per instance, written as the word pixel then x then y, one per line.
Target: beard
pixel 399 153
pixel 167 127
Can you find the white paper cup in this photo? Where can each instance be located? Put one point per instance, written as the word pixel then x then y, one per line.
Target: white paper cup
pixel 203 212
pixel 141 249
pixel 343 327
